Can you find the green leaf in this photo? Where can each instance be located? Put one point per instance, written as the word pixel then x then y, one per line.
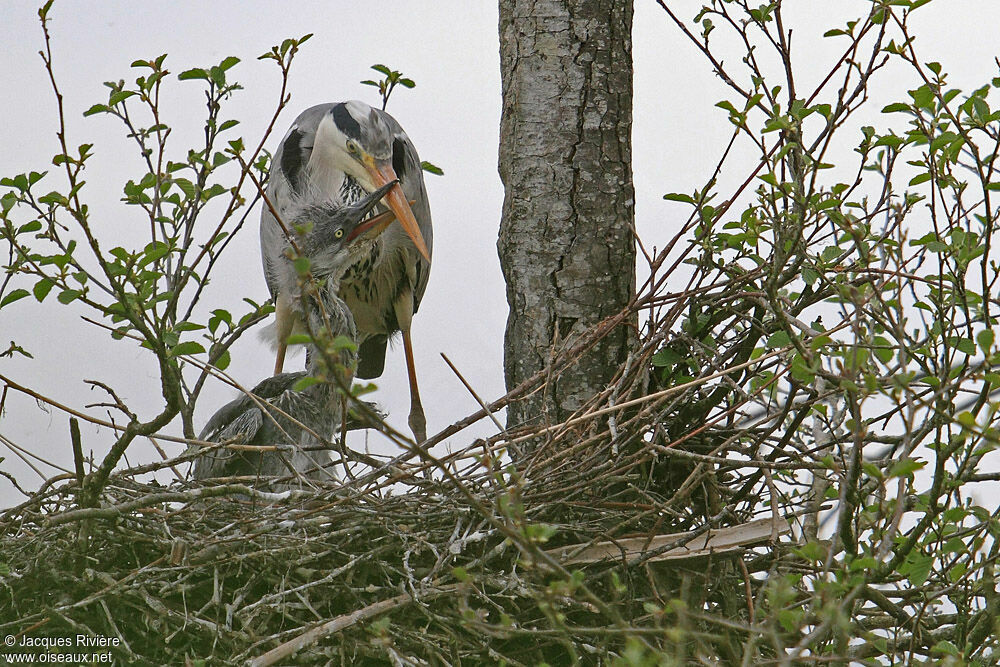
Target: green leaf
pixel 96 109
pixel 906 467
pixel 196 73
pixel 212 191
pixel 304 383
pixel 228 63
pixel 812 551
pixel 945 647
pixel 863 563
pixel 539 533
pixel 964 345
pixel 187 187
pixel 187 347
pixel 665 357
pixel 923 97
pixel 69 295
pixel 430 168
pixel 8 201
pixel 890 140
pixel 884 349
pixel 53 198
pixel 29 227
pixel 896 107
pixel 42 289
pixel 119 97
pixel 154 251
pixel 14 296
pixel 20 182
pixel 801 371
pixel 943 140
pixel 727 105
pixel 679 196
pixel 217 76
pixel 917 567
pixel 985 340
pixel 219 316
pixel 956 545
pixel 779 339
pixel 341 343
pixel 222 363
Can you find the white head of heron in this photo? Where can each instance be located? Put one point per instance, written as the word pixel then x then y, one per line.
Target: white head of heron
pixel 355 135
pixel 353 138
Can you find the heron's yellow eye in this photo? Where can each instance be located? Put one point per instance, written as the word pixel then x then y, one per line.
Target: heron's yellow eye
pixel 352 147
pixel 338 234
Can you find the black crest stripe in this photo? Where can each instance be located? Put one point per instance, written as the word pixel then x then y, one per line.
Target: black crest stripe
pixel 343 119
pixel 399 158
pixel 292 158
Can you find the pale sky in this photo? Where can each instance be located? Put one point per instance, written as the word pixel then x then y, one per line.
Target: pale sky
pixel 450 48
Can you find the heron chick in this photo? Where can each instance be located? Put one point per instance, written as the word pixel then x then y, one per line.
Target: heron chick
pixel 299 424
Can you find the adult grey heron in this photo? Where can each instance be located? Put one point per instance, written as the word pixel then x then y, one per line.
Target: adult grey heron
pixel 341 151
pixel 325 233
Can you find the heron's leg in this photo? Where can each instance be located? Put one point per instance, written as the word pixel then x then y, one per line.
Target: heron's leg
pixel 404 317
pixel 417 421
pixel 284 319
pixel 279 360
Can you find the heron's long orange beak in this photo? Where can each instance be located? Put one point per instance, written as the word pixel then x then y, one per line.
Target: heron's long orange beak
pixel 382 174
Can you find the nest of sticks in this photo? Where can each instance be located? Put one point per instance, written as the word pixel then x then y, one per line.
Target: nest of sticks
pixel 572 551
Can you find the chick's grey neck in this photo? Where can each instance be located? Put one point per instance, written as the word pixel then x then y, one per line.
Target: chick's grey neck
pixel 328 319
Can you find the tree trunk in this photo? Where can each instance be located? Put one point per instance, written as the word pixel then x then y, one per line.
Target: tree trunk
pixel 566 244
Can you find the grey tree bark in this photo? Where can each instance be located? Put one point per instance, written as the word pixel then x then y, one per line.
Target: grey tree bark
pixel 566 244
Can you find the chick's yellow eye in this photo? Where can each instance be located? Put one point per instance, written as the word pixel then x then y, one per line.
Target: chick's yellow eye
pixel 338 234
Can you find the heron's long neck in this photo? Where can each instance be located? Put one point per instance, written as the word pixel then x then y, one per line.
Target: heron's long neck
pixel 329 180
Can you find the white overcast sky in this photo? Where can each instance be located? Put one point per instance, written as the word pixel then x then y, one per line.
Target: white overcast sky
pixel 450 48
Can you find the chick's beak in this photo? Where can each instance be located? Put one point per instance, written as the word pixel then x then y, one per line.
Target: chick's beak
pixel 383 173
pixel 372 227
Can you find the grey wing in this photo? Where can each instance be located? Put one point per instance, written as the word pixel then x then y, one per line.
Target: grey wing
pixel 225 417
pixel 244 427
pixel 238 420
pixel 223 421
pixel 285 181
pixel 406 164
